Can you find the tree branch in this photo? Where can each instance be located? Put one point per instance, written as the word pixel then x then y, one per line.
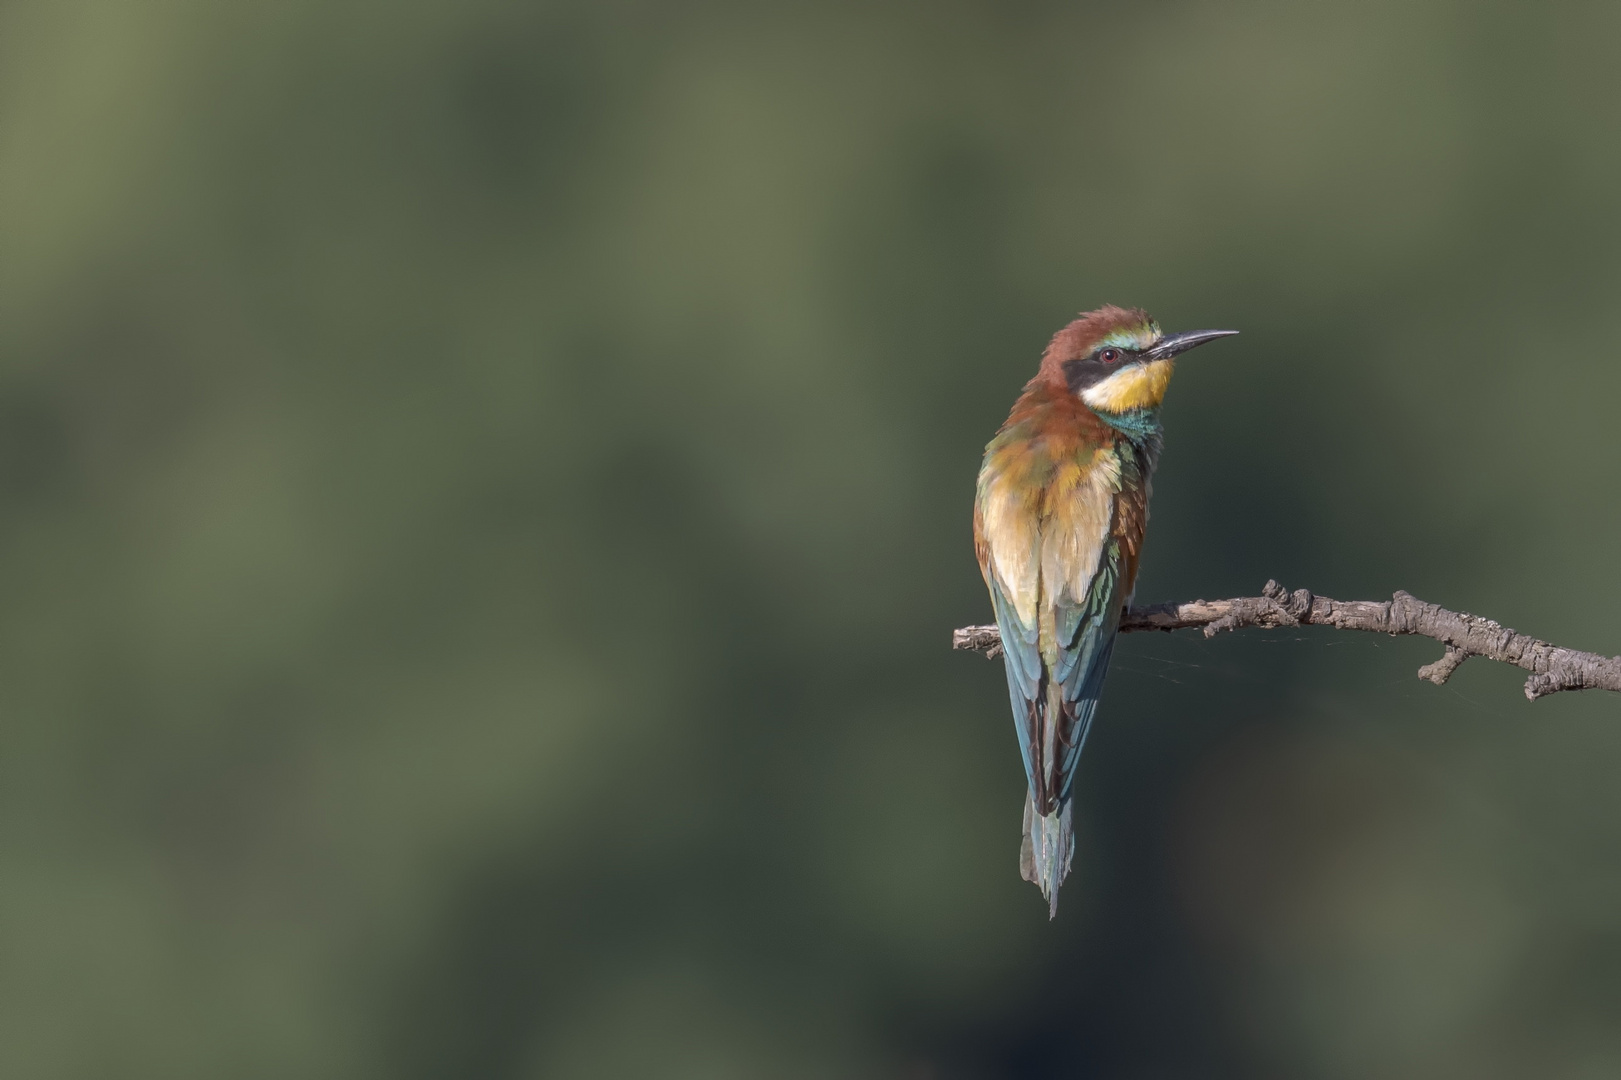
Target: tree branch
pixel 1552 668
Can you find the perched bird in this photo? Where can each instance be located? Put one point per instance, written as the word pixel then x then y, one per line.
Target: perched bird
pixel 1059 517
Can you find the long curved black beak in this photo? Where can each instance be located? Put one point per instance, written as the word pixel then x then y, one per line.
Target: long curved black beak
pixel 1175 344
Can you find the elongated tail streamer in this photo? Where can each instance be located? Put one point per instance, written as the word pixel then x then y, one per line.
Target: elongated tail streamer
pixel 1048 848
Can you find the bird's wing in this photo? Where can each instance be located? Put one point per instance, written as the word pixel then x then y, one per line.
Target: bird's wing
pixel 1086 632
pixel 1007 541
pixel 1053 571
pixel 1082 576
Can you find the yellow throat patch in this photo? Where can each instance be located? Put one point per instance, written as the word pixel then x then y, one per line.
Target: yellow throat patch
pixel 1140 386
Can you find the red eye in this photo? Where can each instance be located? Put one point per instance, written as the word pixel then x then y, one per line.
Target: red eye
pixel 1109 356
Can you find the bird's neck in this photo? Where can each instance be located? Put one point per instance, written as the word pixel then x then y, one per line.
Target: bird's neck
pixel 1141 426
pixel 1045 407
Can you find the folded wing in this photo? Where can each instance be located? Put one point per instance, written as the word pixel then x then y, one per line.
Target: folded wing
pixel 1055 573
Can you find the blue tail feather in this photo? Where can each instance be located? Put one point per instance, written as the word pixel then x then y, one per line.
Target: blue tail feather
pixel 1047 851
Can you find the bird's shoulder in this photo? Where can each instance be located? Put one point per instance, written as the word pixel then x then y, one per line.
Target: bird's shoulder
pixel 1051 442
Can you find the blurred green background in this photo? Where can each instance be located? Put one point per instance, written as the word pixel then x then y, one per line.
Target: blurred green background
pixel 485 493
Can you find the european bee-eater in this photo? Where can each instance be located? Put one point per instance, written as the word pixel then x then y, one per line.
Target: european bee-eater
pixel 1059 518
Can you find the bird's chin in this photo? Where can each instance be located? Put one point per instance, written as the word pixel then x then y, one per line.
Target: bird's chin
pixel 1140 386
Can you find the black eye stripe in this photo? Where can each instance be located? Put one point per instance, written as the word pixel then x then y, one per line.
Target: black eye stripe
pixel 1097 365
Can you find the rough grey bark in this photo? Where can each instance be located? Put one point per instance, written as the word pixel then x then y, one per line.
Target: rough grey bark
pixel 1552 668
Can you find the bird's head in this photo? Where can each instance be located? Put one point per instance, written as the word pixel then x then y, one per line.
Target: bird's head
pixel 1117 360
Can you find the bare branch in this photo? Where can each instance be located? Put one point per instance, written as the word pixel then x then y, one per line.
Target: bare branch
pixel 1552 668
pixel 1440 671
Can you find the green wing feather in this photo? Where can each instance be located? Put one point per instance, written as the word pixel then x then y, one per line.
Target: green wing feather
pixel 1086 634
